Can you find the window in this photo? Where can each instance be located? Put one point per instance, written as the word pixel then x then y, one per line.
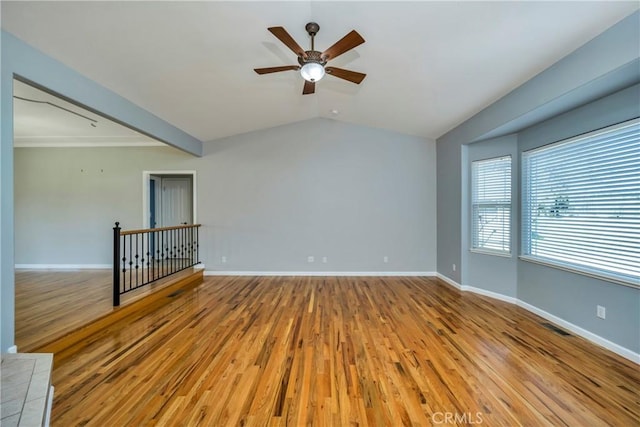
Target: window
pixel 581 203
pixel 491 205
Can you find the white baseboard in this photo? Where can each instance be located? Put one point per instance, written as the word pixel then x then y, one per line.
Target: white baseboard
pixel 618 349
pixel 78 267
pixel 319 273
pixel 597 339
pixel 13 349
pixel 449 281
pixel 475 290
pixel 63 266
pixel 490 294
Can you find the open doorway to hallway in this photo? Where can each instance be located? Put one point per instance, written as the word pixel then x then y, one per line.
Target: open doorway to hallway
pixel 169 198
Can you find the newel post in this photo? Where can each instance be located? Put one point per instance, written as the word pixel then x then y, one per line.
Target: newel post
pixel 116 265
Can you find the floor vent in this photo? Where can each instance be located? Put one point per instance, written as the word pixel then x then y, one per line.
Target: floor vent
pixel 555 329
pixel 176 293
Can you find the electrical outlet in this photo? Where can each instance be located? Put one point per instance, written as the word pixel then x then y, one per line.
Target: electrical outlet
pixel 324 259
pixel 223 259
pixel 453 266
pixel 310 259
pixel 385 259
pixel 601 312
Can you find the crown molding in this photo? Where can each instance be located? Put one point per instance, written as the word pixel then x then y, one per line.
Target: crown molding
pixel 84 141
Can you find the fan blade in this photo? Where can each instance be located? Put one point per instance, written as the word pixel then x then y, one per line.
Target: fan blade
pixel 309 87
pixel 286 38
pixel 343 45
pixel 352 76
pixel 276 69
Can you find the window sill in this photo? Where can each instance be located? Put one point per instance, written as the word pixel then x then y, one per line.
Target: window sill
pixel 494 253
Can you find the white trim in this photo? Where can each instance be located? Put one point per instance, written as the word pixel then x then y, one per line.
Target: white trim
pixel 85 141
pixel 63 266
pixel 490 294
pixel 449 281
pixel 490 252
pixel 146 176
pixel 76 267
pixel 13 349
pixel 319 273
pixel 475 290
pixel 616 348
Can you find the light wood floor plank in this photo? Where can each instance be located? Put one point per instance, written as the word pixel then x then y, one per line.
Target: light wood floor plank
pixel 340 351
pixel 53 304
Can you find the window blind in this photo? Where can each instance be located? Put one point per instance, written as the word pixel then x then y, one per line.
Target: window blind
pixel 581 203
pixel 491 205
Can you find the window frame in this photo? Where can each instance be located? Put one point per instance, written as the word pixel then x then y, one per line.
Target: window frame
pixel 526 214
pixel 509 208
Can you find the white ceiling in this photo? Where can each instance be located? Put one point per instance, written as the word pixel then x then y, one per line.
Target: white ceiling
pixel 429 65
pixel 44 120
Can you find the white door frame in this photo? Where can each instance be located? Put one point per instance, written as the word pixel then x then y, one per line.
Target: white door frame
pixel 146 177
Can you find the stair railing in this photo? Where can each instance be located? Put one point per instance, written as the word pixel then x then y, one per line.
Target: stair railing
pixel 141 257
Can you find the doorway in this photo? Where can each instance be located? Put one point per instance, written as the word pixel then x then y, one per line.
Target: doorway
pixel 169 198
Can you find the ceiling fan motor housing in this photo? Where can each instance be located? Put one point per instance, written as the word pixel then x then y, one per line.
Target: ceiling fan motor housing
pixel 312 56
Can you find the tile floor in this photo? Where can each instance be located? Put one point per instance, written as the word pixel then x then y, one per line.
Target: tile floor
pixel 24 389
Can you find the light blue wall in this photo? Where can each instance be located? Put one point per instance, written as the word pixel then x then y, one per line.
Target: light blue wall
pixel 353 194
pixel 19 59
pixel 604 65
pixel 492 273
pixel 533 114
pixel 267 199
pixel 449 207
pixel 573 297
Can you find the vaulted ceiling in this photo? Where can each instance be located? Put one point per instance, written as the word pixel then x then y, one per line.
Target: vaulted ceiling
pixel 429 65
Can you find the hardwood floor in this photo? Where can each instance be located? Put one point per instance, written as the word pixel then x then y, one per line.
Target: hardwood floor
pixel 51 303
pixel 340 351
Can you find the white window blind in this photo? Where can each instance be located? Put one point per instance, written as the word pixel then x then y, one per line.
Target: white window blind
pixel 491 205
pixel 581 203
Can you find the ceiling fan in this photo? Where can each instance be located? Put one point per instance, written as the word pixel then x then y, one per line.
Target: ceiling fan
pixel 312 63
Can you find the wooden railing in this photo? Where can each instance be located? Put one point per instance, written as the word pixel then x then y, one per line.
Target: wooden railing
pixel 141 257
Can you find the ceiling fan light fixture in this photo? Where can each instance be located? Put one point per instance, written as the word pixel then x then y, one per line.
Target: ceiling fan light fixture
pixel 312 62
pixel 312 71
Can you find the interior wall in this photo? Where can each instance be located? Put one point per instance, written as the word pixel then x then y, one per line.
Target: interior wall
pixel 449 206
pixel 322 188
pixel 608 63
pixel 568 296
pixel 579 83
pixel 491 273
pixel 574 297
pixel 20 59
pixel 7 293
pixel 267 200
pixel 68 199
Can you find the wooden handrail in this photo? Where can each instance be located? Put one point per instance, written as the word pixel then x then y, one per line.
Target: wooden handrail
pixel 148 230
